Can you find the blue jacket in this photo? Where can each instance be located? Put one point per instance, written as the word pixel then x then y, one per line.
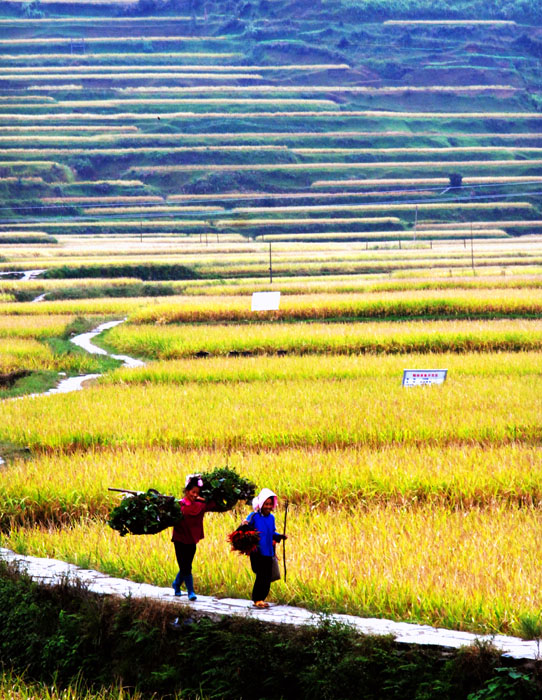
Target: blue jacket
pixel 265 525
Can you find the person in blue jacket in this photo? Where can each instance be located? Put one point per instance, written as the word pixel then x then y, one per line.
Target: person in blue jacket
pixel 261 560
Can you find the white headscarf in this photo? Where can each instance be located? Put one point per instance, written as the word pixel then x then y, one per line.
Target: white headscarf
pixel 191 477
pixel 262 497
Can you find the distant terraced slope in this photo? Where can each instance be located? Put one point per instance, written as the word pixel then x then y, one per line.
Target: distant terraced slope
pixel 280 121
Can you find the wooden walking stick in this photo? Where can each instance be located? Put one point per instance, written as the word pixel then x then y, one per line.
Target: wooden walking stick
pixel 284 541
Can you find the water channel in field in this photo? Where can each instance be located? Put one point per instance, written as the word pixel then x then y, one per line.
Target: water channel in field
pixel 84 341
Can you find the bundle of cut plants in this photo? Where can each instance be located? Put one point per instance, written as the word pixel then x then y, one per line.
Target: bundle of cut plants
pixel 149 512
pixel 245 539
pixel 144 513
pixel 225 487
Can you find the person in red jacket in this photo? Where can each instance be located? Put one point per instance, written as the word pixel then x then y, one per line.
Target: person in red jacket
pixel 188 532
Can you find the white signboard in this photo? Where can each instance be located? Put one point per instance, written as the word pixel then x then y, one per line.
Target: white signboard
pixel 265 301
pixel 423 377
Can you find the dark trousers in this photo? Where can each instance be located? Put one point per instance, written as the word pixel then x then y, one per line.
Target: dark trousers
pixel 185 555
pixel 261 566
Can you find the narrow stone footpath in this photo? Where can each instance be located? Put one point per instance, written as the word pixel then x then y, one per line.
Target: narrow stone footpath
pixel 51 571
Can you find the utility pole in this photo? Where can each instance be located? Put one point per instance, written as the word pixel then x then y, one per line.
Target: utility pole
pixel 270 266
pixel 472 249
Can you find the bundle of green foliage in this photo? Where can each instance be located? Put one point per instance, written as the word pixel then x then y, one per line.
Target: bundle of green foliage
pixel 145 513
pixel 225 487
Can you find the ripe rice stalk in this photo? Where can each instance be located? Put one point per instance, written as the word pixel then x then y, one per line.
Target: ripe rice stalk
pixel 141 149
pixel 345 283
pixel 484 224
pixel 89 200
pixel 389 235
pixel 28 180
pixel 108 55
pixel 244 223
pixel 116 183
pixel 31 99
pixel 126 40
pixel 76 307
pixel 84 2
pixel 19 686
pixel 119 135
pixel 13 118
pixel 463 412
pixel 262 136
pixel 296 195
pixel 39 326
pixel 425 150
pixel 128 75
pixel 384 207
pixel 454 477
pixel 276 89
pixel 91 20
pixel 343 166
pixel 407 181
pixel 308 89
pixel 31 355
pixel 144 116
pixel 449 22
pixel 33 164
pixel 176 101
pixel 307 307
pixel 196 68
pixel 457 569
pixel 132 130
pixel 169 343
pixel 151 209
pixel 134 225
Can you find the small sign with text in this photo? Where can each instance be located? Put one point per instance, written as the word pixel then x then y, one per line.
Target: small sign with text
pixel 265 301
pixel 423 377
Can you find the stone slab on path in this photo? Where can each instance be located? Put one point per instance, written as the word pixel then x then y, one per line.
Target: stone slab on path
pixel 51 571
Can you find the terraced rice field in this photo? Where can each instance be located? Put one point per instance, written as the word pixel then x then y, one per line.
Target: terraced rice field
pixel 399 214
pixel 462 477
pixel 98 115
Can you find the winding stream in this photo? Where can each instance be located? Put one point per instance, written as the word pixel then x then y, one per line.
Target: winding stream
pixel 84 341
pixel 25 275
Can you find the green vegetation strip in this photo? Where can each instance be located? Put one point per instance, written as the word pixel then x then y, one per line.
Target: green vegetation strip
pixel 75 637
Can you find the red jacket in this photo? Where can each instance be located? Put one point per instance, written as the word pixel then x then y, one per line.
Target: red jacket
pixel 189 530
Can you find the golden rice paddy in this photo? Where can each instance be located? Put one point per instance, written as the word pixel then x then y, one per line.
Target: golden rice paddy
pixel 417 504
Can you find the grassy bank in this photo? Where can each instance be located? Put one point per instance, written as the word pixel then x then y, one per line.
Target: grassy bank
pixel 108 641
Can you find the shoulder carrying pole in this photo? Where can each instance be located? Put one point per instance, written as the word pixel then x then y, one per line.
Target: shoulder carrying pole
pixel 284 541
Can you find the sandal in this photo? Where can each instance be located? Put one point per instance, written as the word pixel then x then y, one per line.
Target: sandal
pixel 261 604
